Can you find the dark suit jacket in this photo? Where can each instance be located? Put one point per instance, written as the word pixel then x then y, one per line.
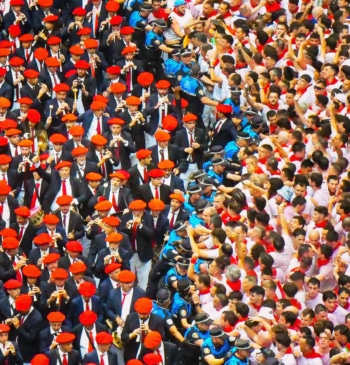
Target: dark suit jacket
pixel 173 153
pixel 160 229
pixel 78 330
pixel 110 164
pixel 182 142
pixel 76 172
pixel 28 334
pixel 135 180
pixel 227 133
pixel 6 91
pixel 90 86
pixel 12 204
pixel 29 188
pixel 145 193
pixel 61 243
pixel 143 235
pixel 27 238
pixel 9 19
pixel 46 338
pixel 86 120
pixel 77 307
pixel 10 359
pixel 73 357
pixel 132 322
pixel 176 183
pixel 170 352
pixel 6 268
pixel 69 145
pixel 75 224
pixel 114 302
pixel 93 358
pixel 124 197
pixel 64 263
pixel 182 216
pixel 35 254
pixel 6 311
pixel 104 288
pixel 45 78
pixel 134 73
pixel 56 124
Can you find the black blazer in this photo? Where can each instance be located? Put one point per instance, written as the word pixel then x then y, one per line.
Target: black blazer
pixel 173 153
pixel 90 86
pixel 10 359
pixel 227 133
pixel 145 193
pixel 86 119
pixel 124 197
pixel 135 179
pixel 100 266
pixel 78 330
pixel 77 307
pixel 6 311
pixel 76 172
pixel 6 268
pixel 46 338
pixel 29 233
pixel 6 91
pixel 182 216
pixel 132 322
pixel 92 357
pixel 12 204
pixel 75 224
pixel 35 254
pixel 73 357
pixel 69 145
pixel 143 235
pixel 29 188
pixel 160 229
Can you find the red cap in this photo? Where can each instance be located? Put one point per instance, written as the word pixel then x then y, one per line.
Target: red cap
pixel 117 175
pixel 54 40
pixel 79 11
pixel 4 328
pixel 5 159
pixel 156 204
pixel 61 87
pixel 127 30
pixel 65 337
pixel 52 62
pixel 26 38
pixel 25 143
pixel 23 302
pixel 42 238
pixel 16 2
pixel 153 339
pixel 33 116
pixel 14 30
pixel 84 31
pixel 76 131
pixel 112 6
pixel 56 317
pixel 133 100
pixel 189 118
pixel 126 276
pixel 77 268
pixel 25 100
pixel 40 359
pixel 117 121
pixel 90 43
pixel 64 200
pixel 87 289
pixel 31 271
pixel 82 64
pixel 100 98
pixel 45 3
pixel 178 197
pixel 8 232
pixel 13 132
pixel 116 20
pixel 78 151
pixel 87 318
pixel 97 105
pixel 63 164
pixel 112 267
pixel 166 164
pixel 10 243
pixel 12 284
pixel 141 154
pixel 163 84
pixel 74 246
pixel 30 74
pixel 223 108
pixel 57 138
pixel 162 136
pixel 156 173
pixel 152 358
pixel 104 338
pixel 70 117
pixel 77 50
pixel 99 140
pixel 111 221
pixel 118 87
pixel 16 61
pixel 5 103
pixel 129 49
pixel 169 123
pixel 51 258
pixel 50 19
pixel 41 54
pixel 93 176
pixel 60 274
pixel 51 219
pixel 114 237
pixel 113 70
pixel 137 205
pixel 143 305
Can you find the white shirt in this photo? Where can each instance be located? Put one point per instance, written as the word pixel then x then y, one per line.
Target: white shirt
pixel 84 340
pixel 126 304
pixel 54 205
pixel 93 127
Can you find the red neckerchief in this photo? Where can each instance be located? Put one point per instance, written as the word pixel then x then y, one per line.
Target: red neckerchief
pixel 295 303
pixel 263 161
pixel 273 128
pixel 269 228
pixel 274 273
pixel 337 246
pixel 235 8
pixel 288 351
pixel 233 260
pixel 177 13
pixel 266 88
pixel 255 306
pixel 323 262
pixel 272 107
pixel 312 355
pixel 234 285
pixel 243 319
pixel 302 91
pixel 341 108
pixel 295 269
pixel 161 14
pixel 295 11
pixel 228 329
pixel 333 82
pixel 251 272
pixel 272 8
pixel 227 218
pixel 258 170
pixel 275 173
pixel 343 216
pixel 213 13
pixel 321 224
pixel 295 158
pixel 204 291
pixel 282 54
pixel 240 65
pixel 347 306
pixel 226 15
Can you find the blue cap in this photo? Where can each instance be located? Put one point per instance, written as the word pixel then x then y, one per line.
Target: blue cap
pixel 179 3
pixel 286 193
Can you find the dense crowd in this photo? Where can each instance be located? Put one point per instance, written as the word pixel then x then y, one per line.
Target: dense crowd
pixel 174 182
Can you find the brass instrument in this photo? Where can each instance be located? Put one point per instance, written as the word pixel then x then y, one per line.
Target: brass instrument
pixel 117 341
pixel 37 216
pixel 42 142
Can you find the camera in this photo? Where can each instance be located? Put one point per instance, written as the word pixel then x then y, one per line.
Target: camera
pixel 79 83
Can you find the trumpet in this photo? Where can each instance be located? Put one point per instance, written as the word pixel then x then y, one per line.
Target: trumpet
pixel 59 294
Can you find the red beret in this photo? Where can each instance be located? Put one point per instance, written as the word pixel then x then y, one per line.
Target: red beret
pixel 57 138
pixel 117 175
pixel 153 339
pixel 113 70
pixel 112 6
pixel 26 38
pixel 103 205
pixel 169 123
pixel 16 2
pixel 70 117
pixel 76 131
pixel 152 358
pixel 166 164
pixel 16 61
pixel 54 40
pixel 78 151
pixel 126 175
pixel 90 43
pixel 12 284
pixel 10 243
pixel 14 30
pixel 93 176
pixel 156 204
pixel 137 205
pixel 13 132
pixel 40 359
pixel 103 338
pixel 4 328
pixel 45 3
pixel 97 105
pixel 50 19
pixel 129 49
pixel 5 103
pixel 126 276
pixel 23 302
pixel 114 237
pixel 60 274
pixel 141 154
pixel 118 87
pixel 163 84
pixel 65 337
pixel 116 20
pixel 133 100
pixel 52 62
pixel 2 71
pixel 87 318
pixel 117 121
pixel 25 143
pixel 178 197
pixel 100 98
pixel 162 136
pixel 111 221
pixel 79 11
pixel 143 305
pixel 84 31
pixel 77 50
pixel 41 53
pixel 61 87
pixel 31 271
pixel 25 101
pixel 222 108
pixel 33 116
pixel 50 258
pixel 82 64
pixel 77 267
pixel 56 317
pixel 145 78
pixel 156 173
pixel 127 30
pixel 134 362
pixel 74 246
pixel 4 188
pixel 87 289
pixel 8 232
pixel 64 200
pixel 112 267
pixel 189 118
pixel 4 52
pixel 99 140
pixel 63 164
pixel 5 159
pixel 42 238
pixel 51 219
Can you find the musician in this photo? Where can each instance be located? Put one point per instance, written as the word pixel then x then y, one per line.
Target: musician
pixel 56 295
pixel 85 332
pixel 40 55
pixel 81 166
pixel 74 250
pixel 95 223
pixel 10 354
pixel 5 88
pixel 13 135
pixel 51 75
pixel 64 353
pixel 26 231
pixel 19 16
pixel 122 39
pixel 95 14
pixel 87 300
pixel 139 172
pixel 31 283
pixel 51 264
pixel 112 8
pixel 14 77
pixel 21 113
pixel 116 93
pixel 56 50
pixel 104 342
pixel 154 189
pixel 138 325
pixel 43 247
pixel 70 220
pixel 72 29
pixel 27 326
pixel 10 176
pixel 47 336
pixel 40 14
pixel 93 181
pixel 25 50
pixel 51 29
pixel 77 139
pixel 7 304
pixel 163 150
pixel 58 154
pixel 78 271
pixel 76 53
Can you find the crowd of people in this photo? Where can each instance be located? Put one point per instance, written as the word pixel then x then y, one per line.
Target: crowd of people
pixel 174 182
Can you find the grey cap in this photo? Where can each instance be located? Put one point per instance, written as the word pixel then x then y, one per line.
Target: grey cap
pixel 146 7
pixel 203 318
pixel 194 189
pixel 183 262
pixel 185 52
pixel 183 285
pixel 216 150
pixel 200 205
pixel 243 135
pixel 243 345
pixel 217 332
pixel 195 68
pixel 206 181
pixel 257 121
pixel 217 161
pixel 160 23
pixel 179 226
pixel 163 295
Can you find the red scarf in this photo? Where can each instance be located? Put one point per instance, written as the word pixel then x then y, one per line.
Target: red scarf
pixel 295 303
pixel 234 285
pixel 273 128
pixel 177 13
pixel 204 291
pixel 295 158
pixel 323 262
pixel 275 173
pixel 312 355
pixel 258 170
pixel 272 107
pixel 272 8
pixel 321 224
pixel 303 91
pixel 333 82
pixel 288 351
pixel 228 329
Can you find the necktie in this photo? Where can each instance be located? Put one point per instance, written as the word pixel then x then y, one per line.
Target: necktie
pixel 156 193
pixel 55 80
pixel 16 151
pixel 4 177
pixel 133 236
pixel 6 362
pixel 161 152
pixel 103 166
pixel 57 158
pixel 91 341
pixel 27 55
pixel 191 142
pixel 21 233
pixel 145 175
pixel 64 221
pixel 92 68
pixel 87 307
pixel 13 46
pixel 123 299
pixel 172 219
pixel 17 87
pixel 128 79
pixel 64 187
pixel 65 360
pixel 102 362
pixel 98 128
pixel 18 272
pixel 96 22
pixel 1 209
pixel 35 196
pixel 217 129
pixel 114 202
